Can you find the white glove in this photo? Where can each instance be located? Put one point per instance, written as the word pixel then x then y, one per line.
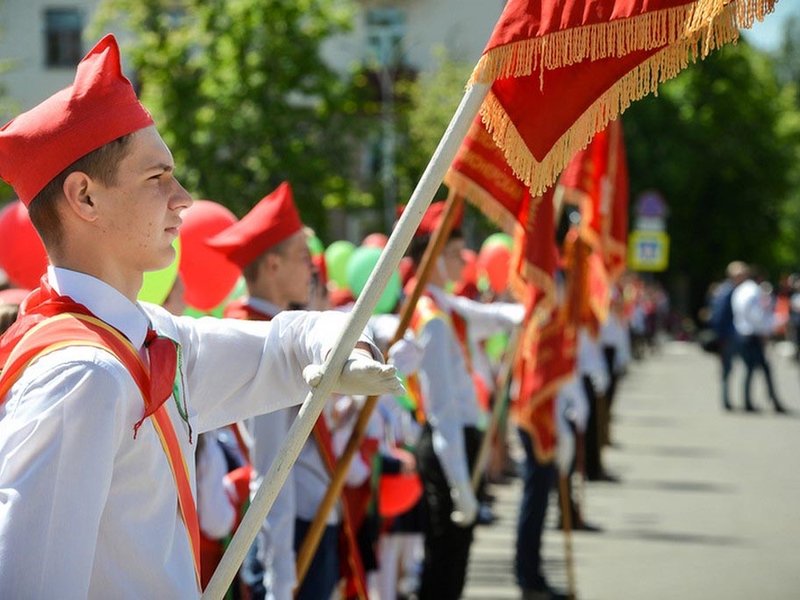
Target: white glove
pixel 465 505
pixel 406 355
pixel 514 312
pixel 361 375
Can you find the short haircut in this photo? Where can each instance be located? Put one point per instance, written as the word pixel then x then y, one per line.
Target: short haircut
pixel 8 314
pixel 419 243
pixel 250 272
pixel 101 164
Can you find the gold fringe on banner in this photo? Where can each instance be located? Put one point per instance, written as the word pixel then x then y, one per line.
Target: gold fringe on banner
pixel 480 198
pixel 639 82
pixel 519 283
pixel 618 38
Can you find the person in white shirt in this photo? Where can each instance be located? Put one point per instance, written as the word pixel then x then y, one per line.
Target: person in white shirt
pixel 90 504
pixel 450 440
pixel 269 245
pixel 754 319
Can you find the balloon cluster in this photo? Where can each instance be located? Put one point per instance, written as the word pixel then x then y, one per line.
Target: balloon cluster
pixel 349 267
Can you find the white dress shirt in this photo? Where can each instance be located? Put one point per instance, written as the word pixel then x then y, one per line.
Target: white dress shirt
pixel 591 361
pixel 572 406
pixel 449 396
pixel 215 511
pixel 484 319
pixel 752 310
pixel 86 510
pixel 614 333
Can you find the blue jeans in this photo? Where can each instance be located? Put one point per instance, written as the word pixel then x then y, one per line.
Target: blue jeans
pixel 727 352
pixel 751 348
pixel 538 479
pixel 323 573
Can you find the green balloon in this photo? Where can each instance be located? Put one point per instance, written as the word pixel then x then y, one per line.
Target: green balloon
pixel 315 246
pixel 157 285
pixel 498 238
pixel 336 257
pixel 496 345
pixel 359 268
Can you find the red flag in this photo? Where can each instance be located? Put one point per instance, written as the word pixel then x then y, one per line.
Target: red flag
pixel 596 181
pixel 561 71
pixel 544 365
pixel 546 359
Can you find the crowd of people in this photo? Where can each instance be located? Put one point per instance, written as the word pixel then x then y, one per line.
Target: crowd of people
pixel 132 438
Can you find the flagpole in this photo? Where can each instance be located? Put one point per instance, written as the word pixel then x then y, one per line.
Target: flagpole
pixel 500 403
pixel 566 518
pixel 364 307
pixel 338 477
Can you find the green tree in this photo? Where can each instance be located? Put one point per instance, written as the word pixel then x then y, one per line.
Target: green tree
pixel 243 98
pixel 720 142
pixel 432 101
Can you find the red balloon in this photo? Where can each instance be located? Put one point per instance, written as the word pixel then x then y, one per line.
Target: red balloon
pixel 22 253
pixel 207 275
pixel 375 240
pixel 494 262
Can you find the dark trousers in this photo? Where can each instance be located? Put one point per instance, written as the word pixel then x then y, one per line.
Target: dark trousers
pixel 323 573
pixel 727 351
pixel 594 442
pixel 751 349
pixel 446 544
pixel 538 480
pixel 610 355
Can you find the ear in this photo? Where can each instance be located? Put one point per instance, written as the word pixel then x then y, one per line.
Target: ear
pixel 76 190
pixel 270 262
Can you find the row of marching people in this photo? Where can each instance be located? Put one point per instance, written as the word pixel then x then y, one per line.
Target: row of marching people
pixel 403 524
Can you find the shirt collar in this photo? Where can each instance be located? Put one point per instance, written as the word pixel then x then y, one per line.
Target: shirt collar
pixel 263 306
pixel 105 302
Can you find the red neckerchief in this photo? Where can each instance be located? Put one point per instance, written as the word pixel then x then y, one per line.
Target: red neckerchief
pixel 44 302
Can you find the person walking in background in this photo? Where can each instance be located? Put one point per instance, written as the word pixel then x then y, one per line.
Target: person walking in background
pixel 721 322
pixel 754 319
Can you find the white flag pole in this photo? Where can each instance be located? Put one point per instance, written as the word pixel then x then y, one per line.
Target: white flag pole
pixel 365 305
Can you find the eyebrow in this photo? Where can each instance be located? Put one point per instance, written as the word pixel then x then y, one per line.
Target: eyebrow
pixel 161 167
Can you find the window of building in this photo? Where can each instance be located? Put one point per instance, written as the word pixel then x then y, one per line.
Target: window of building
pixel 62 37
pixel 386 28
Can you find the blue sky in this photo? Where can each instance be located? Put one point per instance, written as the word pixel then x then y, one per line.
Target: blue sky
pixel 767 34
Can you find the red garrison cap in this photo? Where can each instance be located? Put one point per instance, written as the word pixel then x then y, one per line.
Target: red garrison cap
pixel 271 221
pixel 434 216
pixel 99 107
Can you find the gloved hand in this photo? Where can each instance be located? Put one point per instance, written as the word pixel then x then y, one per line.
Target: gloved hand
pixel 465 505
pixel 514 312
pixel 406 354
pixel 361 375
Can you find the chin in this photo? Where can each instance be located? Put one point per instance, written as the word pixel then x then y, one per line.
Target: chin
pixel 162 262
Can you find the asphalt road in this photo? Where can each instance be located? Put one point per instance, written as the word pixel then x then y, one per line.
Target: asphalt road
pixel 707 504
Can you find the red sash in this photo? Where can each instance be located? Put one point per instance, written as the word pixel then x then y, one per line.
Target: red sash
pixel 44 329
pixel 352 569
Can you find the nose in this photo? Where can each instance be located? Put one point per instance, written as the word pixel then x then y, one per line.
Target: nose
pixel 180 198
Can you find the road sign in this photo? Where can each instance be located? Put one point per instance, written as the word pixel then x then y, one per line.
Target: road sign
pixel 648 250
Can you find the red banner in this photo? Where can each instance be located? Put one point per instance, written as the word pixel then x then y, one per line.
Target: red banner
pixel 561 71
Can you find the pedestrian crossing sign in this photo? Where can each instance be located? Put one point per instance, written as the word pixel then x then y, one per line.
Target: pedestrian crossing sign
pixel 648 250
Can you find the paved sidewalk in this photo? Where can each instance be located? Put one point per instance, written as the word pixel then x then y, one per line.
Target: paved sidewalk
pixel 708 503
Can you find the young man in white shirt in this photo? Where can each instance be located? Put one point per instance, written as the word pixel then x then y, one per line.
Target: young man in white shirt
pixel 90 501
pixel 754 320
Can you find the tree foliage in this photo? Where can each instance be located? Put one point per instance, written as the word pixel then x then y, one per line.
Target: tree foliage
pixel 721 142
pixel 242 96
